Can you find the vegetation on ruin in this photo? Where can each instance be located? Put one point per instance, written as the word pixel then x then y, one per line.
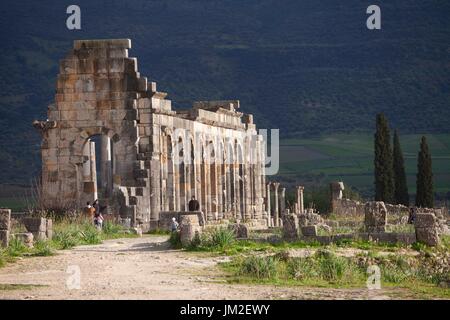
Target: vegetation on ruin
pixel 423 273
pixel 67 233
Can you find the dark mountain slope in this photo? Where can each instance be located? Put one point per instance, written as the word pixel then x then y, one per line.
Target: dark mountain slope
pixel 307 67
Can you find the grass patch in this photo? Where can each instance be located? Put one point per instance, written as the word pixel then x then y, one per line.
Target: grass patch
pixel 422 274
pixel 16 286
pixel 67 233
pixel 160 232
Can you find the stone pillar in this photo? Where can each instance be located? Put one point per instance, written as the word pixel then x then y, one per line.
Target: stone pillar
pixel 258 183
pixel 268 208
pixel 189 228
pixel 336 189
pixel 247 192
pixel 105 165
pixel 236 203
pixel 93 169
pixel 5 226
pixel 209 198
pixel 300 206
pixel 283 201
pixel 276 215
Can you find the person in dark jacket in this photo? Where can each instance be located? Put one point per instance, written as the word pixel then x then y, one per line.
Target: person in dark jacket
pixel 193 204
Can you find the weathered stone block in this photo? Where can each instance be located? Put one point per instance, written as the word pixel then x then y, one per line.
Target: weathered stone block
pixel 375 216
pixel 427 229
pixel 5 219
pixel 35 224
pixel 290 227
pixel 309 231
pixel 49 232
pixel 189 228
pixel 4 238
pixel 425 220
pixel 240 230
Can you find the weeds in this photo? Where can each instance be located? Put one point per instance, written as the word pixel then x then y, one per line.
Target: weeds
pixel 67 233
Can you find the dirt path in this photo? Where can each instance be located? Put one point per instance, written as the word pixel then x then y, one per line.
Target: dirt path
pixel 145 268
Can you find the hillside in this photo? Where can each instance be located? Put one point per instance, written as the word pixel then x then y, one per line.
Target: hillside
pixel 306 67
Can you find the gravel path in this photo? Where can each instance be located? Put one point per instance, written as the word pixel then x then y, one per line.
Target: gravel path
pixel 145 268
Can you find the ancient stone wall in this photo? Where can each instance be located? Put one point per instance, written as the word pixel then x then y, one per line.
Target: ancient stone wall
pixel 152 158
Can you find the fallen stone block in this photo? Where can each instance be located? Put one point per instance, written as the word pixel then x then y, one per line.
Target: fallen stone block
pixel 240 230
pixel 290 227
pixel 309 231
pixel 425 220
pixel 35 224
pixel 427 228
pixel 27 238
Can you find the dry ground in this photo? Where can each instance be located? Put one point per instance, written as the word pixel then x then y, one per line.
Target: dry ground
pixel 146 268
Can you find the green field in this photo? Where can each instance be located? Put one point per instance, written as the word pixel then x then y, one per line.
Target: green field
pixel 349 158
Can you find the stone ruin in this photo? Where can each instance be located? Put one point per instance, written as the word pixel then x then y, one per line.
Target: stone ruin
pixel 37 229
pixel 151 158
pixel 429 225
pixel 40 228
pixel 375 217
pixel 5 226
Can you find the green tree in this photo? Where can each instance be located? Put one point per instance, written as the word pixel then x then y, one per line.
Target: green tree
pixel 401 195
pixel 424 182
pixel 384 175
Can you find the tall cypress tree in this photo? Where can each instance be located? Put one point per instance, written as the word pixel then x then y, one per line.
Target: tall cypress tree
pixel 384 175
pixel 400 186
pixel 425 196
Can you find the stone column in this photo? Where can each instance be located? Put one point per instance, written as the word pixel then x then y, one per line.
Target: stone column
pixel 283 201
pixel 300 203
pixel 105 165
pixel 268 208
pixel 93 169
pixel 5 226
pixel 236 203
pixel 276 217
pixel 229 176
pixel 247 192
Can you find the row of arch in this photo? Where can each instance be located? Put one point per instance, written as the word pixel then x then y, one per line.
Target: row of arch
pixel 222 179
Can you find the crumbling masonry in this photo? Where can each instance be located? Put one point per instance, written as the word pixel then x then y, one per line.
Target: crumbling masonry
pixel 151 158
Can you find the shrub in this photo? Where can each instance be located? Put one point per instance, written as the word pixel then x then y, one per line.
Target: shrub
pixel 42 248
pixel 175 240
pixel 302 269
pixel 90 235
pixel 16 248
pixel 110 228
pixel 2 258
pixel 331 267
pixel 222 238
pixel 65 239
pixel 259 267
